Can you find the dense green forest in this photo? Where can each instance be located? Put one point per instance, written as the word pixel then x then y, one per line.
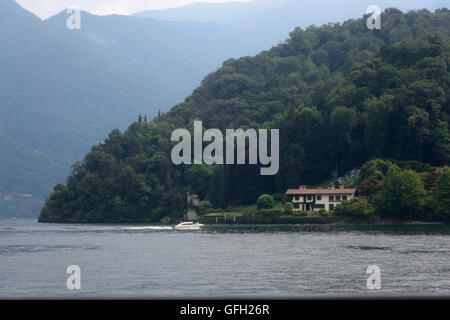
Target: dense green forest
pixel 61 91
pixel 340 94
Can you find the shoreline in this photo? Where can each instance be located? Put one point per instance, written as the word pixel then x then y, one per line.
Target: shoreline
pixel 229 223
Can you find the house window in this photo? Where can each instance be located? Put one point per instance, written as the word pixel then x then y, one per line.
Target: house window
pixel 338 198
pixel 309 197
pixel 319 206
pixel 331 207
pixel 296 205
pixel 331 198
pixel 319 198
pixel 344 198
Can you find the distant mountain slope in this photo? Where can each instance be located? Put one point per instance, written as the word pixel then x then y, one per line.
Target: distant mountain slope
pixel 269 22
pixel 224 13
pixel 304 12
pixel 49 110
pixel 62 91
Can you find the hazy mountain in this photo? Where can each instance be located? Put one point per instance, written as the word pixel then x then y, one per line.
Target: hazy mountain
pixel 224 13
pixel 63 90
pixel 269 22
pixel 303 12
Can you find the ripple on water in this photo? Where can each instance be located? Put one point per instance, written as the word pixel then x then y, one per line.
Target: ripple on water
pixel 368 248
pixel 17 249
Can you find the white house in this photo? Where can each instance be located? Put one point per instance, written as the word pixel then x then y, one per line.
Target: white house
pixel 304 199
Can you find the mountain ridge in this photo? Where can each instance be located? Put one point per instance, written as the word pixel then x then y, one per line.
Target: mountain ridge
pixel 63 90
pixel 334 91
pixel 225 12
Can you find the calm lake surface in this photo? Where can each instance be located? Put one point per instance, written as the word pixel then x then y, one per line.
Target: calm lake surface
pixel 222 261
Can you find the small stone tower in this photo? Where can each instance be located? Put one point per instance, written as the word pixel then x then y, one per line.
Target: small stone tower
pixel 192 202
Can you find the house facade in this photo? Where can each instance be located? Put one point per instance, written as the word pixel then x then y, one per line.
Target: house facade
pixel 304 199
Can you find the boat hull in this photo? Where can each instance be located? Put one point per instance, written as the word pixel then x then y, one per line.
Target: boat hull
pixel 188 226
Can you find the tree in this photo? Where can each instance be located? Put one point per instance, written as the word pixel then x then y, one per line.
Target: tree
pixel 373 167
pixel 371 175
pixel 418 132
pixel 265 202
pixel 198 177
pixel 288 208
pixel 402 194
pixel 356 208
pixel 342 122
pixel 371 185
pixel 204 206
pixel 303 160
pixel 441 144
pixel 441 196
pixel 378 125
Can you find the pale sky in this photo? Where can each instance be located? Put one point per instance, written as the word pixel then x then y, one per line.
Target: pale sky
pixel 48 8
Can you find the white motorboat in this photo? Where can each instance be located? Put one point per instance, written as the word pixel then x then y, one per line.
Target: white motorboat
pixel 188 226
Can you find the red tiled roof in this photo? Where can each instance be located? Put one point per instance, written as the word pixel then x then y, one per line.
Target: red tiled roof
pixel 319 191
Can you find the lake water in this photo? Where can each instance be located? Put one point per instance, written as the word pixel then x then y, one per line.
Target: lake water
pixel 222 261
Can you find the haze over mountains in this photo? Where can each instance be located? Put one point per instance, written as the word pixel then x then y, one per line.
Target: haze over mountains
pixel 273 20
pixel 303 13
pixel 61 91
pixel 223 13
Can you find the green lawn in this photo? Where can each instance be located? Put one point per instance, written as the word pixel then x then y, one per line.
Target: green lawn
pixel 240 210
pixel 222 214
pixel 252 207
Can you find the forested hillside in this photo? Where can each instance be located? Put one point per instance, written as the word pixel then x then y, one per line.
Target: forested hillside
pixel 340 94
pixel 61 91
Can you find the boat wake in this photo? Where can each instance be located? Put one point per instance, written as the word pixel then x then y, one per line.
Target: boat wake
pixel 149 228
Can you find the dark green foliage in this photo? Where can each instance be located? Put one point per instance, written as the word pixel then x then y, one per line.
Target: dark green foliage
pixel 441 196
pixel 402 194
pixel 272 218
pixel 269 212
pixel 265 202
pixel 205 206
pixel 198 178
pixel 280 197
pixel 429 179
pixel 371 176
pixel 340 94
pixel 288 208
pixel 356 208
pixel 127 178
